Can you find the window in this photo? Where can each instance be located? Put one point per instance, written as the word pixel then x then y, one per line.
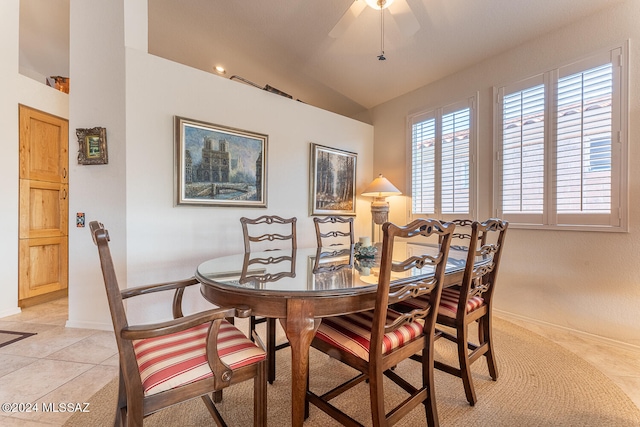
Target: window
pixel 560 147
pixel 442 150
pixel 523 151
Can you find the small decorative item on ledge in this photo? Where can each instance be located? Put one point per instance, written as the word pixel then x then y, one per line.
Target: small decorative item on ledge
pixel 58 82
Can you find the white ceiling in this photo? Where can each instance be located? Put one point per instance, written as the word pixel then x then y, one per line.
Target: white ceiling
pixel 286 43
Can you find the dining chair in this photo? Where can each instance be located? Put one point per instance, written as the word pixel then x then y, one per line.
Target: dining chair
pixel 266 233
pixel 334 230
pixel 169 362
pixel 471 301
pixel 375 341
pixel 461 237
pixel 335 240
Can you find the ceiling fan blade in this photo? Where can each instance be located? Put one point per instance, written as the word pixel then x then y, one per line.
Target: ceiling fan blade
pixel 347 19
pixel 404 17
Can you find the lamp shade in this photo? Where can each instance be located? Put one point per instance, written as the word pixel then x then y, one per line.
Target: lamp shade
pixel 381 187
pixel 379 4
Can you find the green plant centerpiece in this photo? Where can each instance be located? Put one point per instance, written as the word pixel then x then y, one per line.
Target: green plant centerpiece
pixel 365 252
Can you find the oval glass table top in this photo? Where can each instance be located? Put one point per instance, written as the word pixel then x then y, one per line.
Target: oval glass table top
pixel 319 271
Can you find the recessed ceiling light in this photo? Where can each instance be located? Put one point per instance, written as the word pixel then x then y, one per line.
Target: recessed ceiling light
pixel 220 69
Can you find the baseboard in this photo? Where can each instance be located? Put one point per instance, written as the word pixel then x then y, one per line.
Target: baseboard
pixel 604 340
pixel 89 325
pixel 10 311
pixel 44 298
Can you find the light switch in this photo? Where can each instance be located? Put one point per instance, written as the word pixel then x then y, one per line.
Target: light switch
pixel 80 219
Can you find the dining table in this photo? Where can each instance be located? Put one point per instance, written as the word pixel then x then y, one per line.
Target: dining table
pixel 300 286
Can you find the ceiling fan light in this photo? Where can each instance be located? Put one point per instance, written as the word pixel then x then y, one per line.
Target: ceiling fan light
pixel 379 4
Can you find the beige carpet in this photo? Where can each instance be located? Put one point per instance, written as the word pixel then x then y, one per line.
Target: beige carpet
pixel 539 384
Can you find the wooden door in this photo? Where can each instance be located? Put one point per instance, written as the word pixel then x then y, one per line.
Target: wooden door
pixel 44 207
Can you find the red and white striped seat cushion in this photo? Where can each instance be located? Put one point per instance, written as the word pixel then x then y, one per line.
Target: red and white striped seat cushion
pixel 352 333
pixel 448 302
pixel 178 359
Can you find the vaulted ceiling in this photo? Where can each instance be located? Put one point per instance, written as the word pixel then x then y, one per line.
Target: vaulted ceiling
pixel 286 43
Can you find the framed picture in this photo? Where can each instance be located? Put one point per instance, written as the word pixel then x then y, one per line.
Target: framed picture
pixel 332 181
pixel 219 166
pixel 93 146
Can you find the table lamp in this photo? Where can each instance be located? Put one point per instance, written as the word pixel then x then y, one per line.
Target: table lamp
pixel 379 189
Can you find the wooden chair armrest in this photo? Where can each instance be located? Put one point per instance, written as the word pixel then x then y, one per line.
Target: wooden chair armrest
pixel 178 285
pixel 222 372
pixel 157 287
pixel 152 330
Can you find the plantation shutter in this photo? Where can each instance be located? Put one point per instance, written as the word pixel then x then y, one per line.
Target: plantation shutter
pixel 442 170
pixel 584 134
pixel 561 146
pixel 455 162
pixel 423 154
pixel 522 151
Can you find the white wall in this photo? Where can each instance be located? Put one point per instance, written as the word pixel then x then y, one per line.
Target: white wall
pixel 16 89
pixel 587 281
pixel 97 99
pixel 180 237
pixel 135 96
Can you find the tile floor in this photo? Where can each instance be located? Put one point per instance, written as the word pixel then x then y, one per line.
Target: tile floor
pixel 69 365
pixel 57 365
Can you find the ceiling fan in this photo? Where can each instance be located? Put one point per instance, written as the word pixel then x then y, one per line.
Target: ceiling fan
pixel 399 10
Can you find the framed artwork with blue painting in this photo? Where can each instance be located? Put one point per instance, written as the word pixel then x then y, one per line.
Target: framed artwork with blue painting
pixel 219 166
